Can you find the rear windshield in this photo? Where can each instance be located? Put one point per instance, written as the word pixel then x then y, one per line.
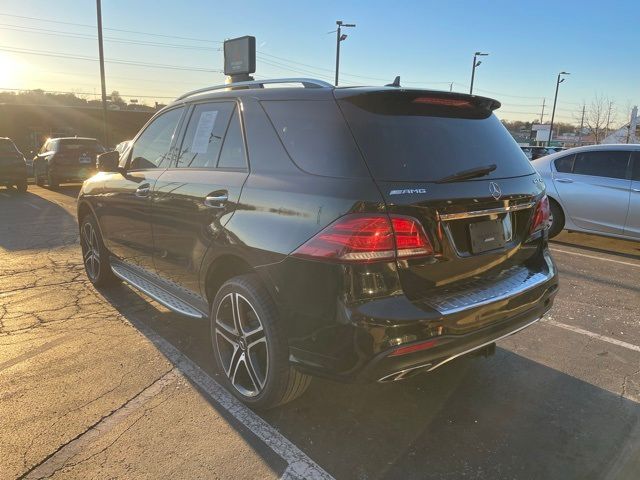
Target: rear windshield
pixel 7 146
pixel 71 145
pixel 408 136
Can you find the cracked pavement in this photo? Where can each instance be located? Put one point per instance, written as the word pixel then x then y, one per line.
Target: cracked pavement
pixel 84 393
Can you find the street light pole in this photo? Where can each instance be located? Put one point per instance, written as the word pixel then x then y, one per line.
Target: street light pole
pixel 104 87
pixel 555 100
pixel 476 63
pixel 339 39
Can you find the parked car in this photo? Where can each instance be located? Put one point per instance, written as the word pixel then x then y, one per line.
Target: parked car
pixel 68 159
pixel 534 153
pixel 594 189
pixel 13 167
pixel 360 234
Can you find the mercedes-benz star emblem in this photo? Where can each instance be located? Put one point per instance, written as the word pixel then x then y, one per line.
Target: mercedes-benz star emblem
pixel 494 190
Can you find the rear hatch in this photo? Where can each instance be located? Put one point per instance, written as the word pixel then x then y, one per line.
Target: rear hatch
pixel 447 161
pixel 11 160
pixel 78 152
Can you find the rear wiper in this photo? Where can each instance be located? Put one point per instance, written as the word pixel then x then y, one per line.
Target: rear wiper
pixel 467 174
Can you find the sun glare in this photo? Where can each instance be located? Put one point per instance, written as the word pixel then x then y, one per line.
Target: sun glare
pixel 10 69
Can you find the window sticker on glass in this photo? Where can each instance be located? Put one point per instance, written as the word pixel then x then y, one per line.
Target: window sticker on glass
pixel 204 131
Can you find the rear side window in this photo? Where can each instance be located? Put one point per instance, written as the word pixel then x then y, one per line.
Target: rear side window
pixel 204 136
pixel 7 146
pixel 565 164
pixel 611 164
pixel 635 173
pixel 233 152
pixel 316 137
pixel 412 136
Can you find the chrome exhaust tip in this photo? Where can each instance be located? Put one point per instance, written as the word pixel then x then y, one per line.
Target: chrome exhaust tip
pixel 404 374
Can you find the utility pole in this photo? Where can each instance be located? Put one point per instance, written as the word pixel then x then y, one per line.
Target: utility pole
pixel 104 87
pixel 606 128
pixel 555 101
pixel 473 69
pixel 542 113
pixel 581 126
pixel 451 87
pixel 340 37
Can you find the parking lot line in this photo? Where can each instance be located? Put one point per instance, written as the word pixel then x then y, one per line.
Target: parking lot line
pixel 560 250
pixel 299 464
pixel 613 341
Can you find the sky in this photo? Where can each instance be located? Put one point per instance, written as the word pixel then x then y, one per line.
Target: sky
pixel 429 44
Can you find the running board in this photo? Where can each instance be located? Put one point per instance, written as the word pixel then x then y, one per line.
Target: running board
pixel 159 294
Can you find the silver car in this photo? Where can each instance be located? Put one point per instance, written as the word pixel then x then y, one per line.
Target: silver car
pixel 594 189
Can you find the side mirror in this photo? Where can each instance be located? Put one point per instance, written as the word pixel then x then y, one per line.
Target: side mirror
pixel 108 162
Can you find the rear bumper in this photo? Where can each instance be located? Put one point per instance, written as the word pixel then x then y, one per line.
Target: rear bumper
pixel 72 172
pixel 11 177
pixel 380 326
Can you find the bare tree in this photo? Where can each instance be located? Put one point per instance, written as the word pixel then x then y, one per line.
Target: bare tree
pixel 598 117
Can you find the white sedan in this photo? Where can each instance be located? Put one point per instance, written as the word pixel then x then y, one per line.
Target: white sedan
pixel 594 189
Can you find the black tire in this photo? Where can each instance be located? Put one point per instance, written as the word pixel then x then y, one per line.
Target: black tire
pixel 99 274
pixel 37 178
pixel 22 186
pixel 240 356
pixel 52 181
pixel 556 220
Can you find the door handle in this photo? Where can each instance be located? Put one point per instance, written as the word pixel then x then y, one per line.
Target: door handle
pixel 636 190
pixel 216 201
pixel 143 190
pixel 564 180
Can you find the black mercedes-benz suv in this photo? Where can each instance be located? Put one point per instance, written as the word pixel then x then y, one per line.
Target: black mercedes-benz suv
pixel 360 234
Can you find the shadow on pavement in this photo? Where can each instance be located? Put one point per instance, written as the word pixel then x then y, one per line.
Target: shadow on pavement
pixel 69 190
pixel 41 223
pixel 501 417
pixel 599 244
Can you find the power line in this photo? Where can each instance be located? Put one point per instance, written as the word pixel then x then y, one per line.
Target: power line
pixel 46 53
pixel 110 29
pixel 59 92
pixel 18 28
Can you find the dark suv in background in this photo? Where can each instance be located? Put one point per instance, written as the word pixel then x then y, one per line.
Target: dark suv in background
pixel 360 234
pixel 13 167
pixel 69 159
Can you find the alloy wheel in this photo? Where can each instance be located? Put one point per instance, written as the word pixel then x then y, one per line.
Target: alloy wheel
pixel 242 344
pixel 90 250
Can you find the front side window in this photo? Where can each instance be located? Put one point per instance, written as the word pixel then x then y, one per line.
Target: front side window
pixel 205 134
pixel 611 164
pixel 151 149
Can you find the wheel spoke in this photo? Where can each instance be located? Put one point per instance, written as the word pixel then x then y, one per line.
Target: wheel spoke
pixel 254 372
pixel 237 322
pixel 236 359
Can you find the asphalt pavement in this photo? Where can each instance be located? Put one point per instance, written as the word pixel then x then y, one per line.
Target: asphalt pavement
pixel 109 384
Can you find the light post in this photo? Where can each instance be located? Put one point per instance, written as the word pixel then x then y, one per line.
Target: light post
pixel 102 82
pixel 476 63
pixel 340 37
pixel 555 100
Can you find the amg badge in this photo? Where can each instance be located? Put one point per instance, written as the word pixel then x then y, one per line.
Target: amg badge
pixel 408 191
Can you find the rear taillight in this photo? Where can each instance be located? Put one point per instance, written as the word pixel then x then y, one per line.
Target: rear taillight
pixel 541 215
pixel 368 238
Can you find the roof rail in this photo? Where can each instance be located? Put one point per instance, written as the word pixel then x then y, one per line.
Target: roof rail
pixel 306 83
